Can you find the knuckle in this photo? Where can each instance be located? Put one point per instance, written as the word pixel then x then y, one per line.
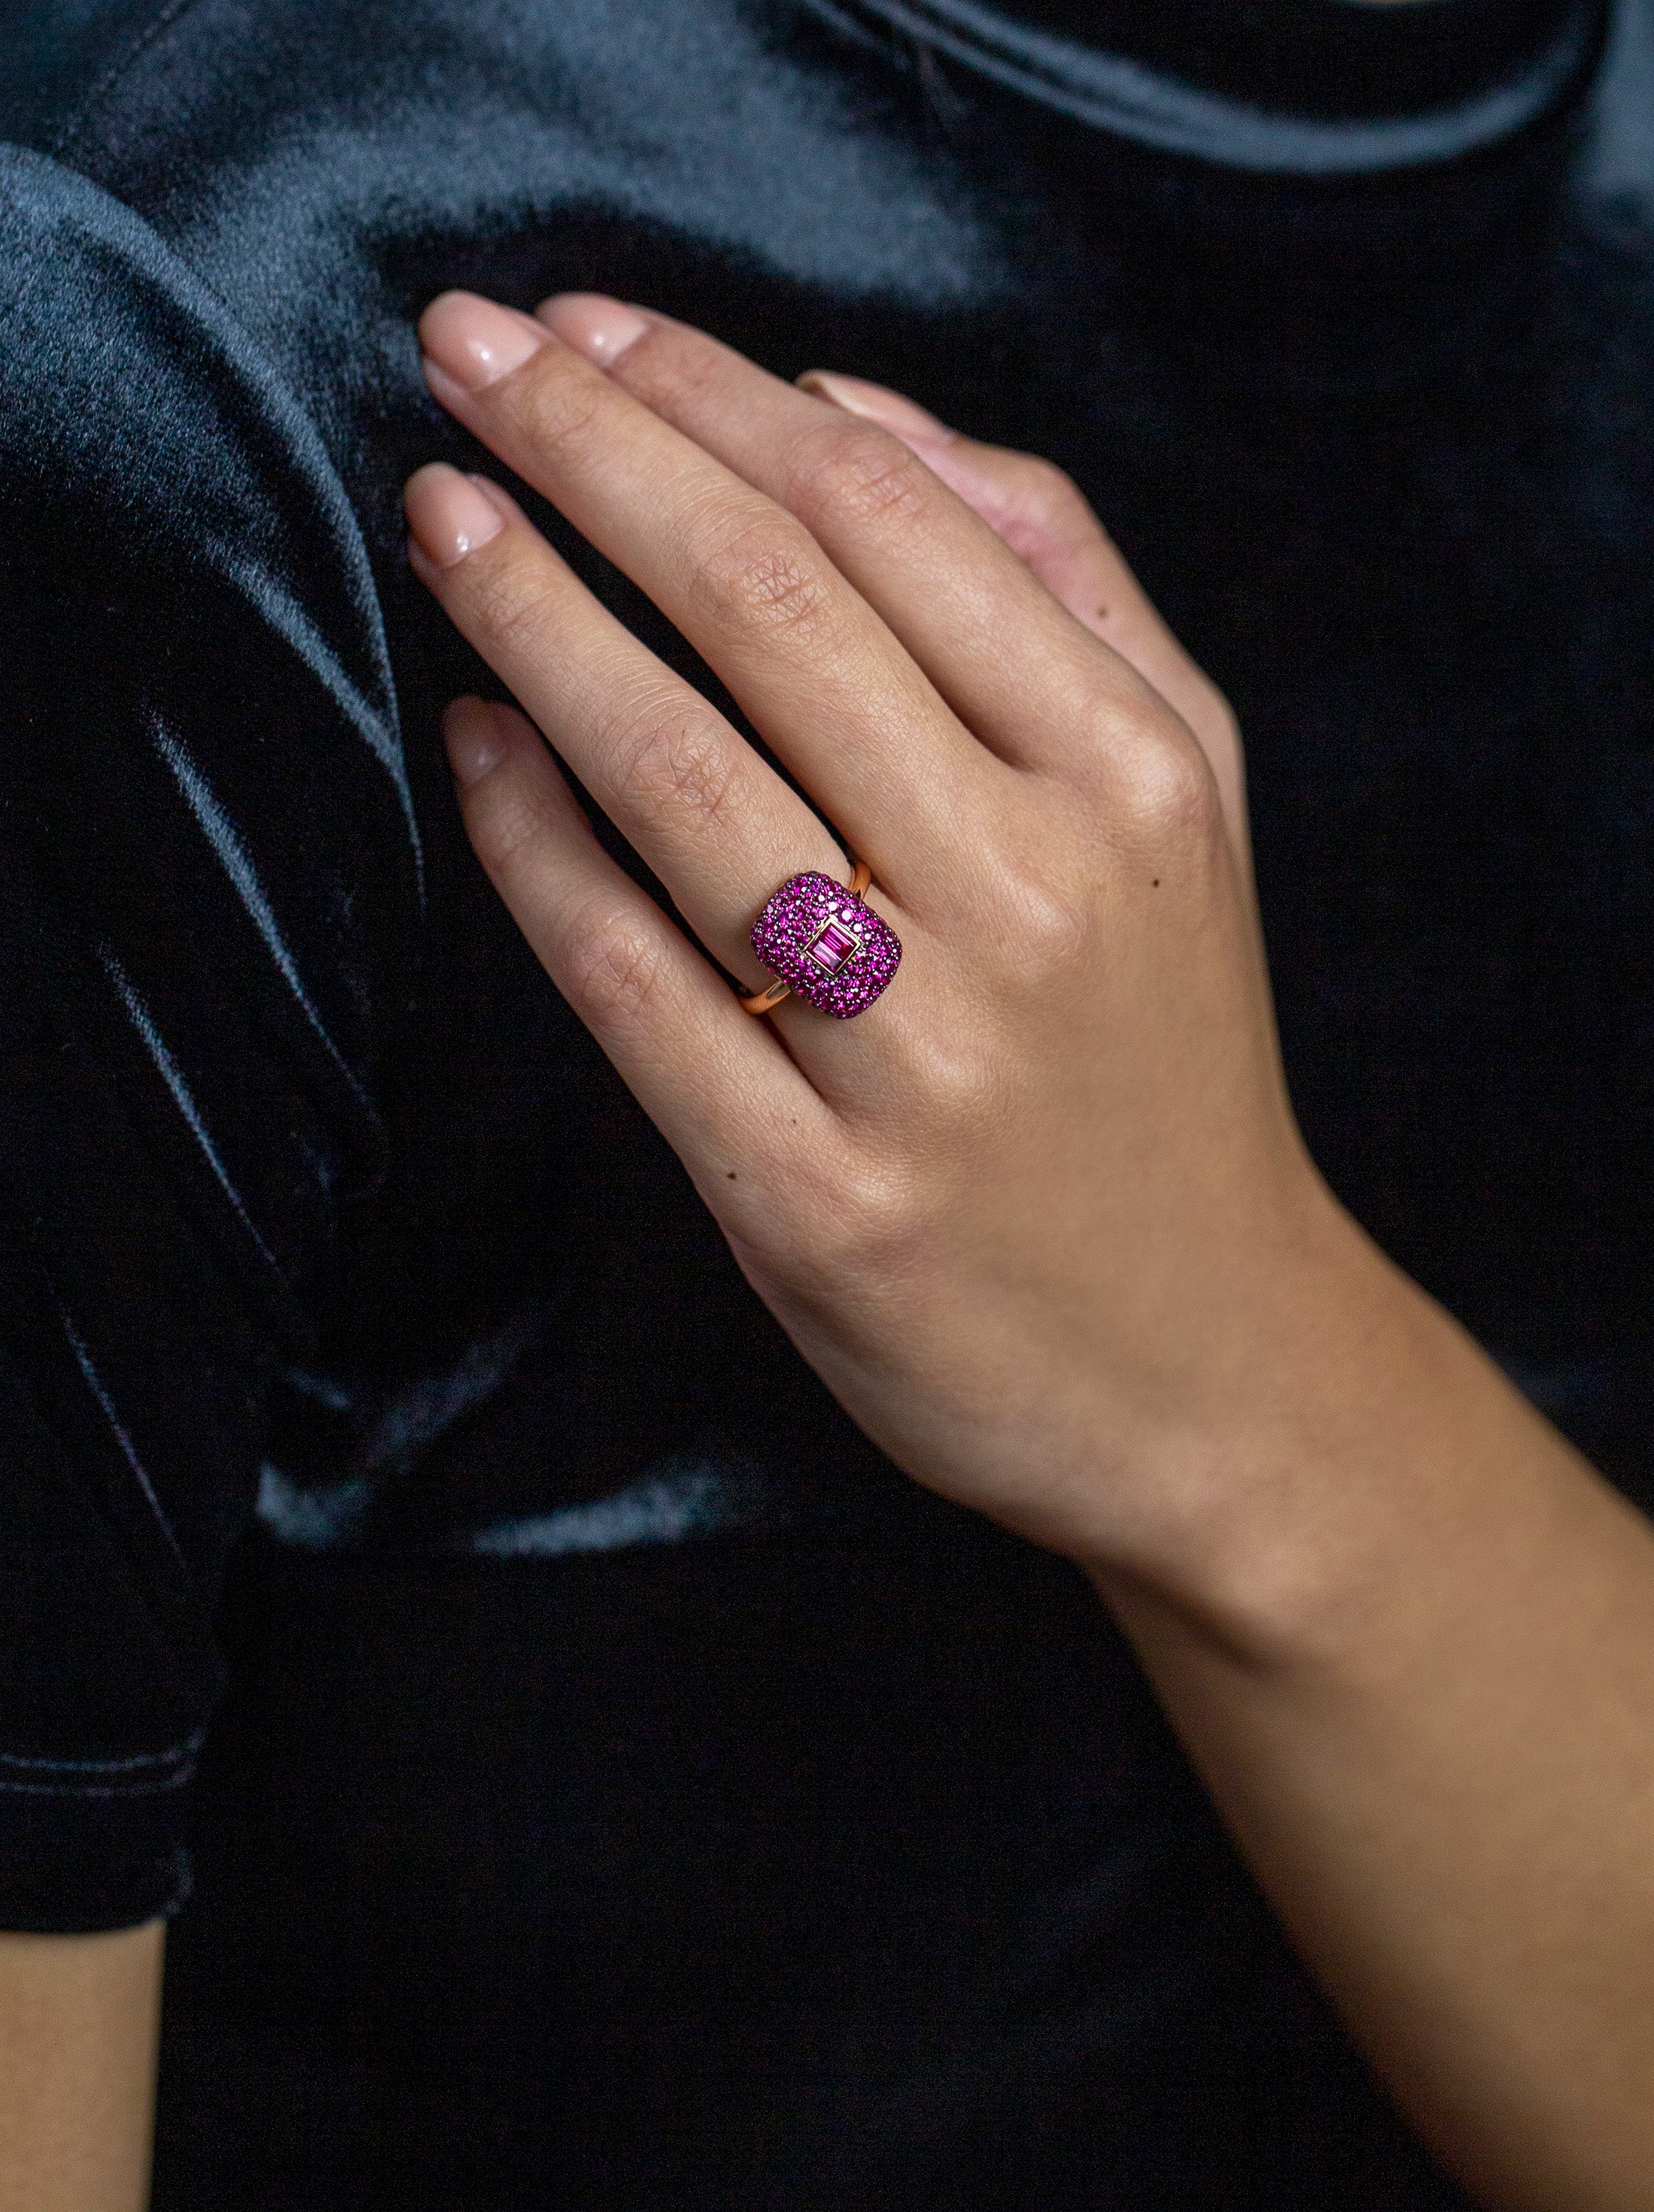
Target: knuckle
pixel 1047 502
pixel 869 1223
pixel 768 575
pixel 556 409
pixel 673 758
pixel 509 603
pixel 679 373
pixel 1052 925
pixel 964 1094
pixel 1047 488
pixel 614 976
pixel 1162 796
pixel 1215 724
pixel 504 820
pixel 862 475
pixel 1035 508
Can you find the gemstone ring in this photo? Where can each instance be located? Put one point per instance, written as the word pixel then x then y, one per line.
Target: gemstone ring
pixel 824 942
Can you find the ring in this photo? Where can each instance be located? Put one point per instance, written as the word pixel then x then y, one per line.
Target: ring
pixel 826 943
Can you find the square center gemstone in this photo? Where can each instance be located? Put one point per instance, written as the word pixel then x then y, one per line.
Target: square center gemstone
pixel 832 947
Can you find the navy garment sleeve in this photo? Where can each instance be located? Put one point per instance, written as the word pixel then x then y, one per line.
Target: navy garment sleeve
pixel 210 887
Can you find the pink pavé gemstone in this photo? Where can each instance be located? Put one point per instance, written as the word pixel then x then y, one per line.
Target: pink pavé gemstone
pixel 832 947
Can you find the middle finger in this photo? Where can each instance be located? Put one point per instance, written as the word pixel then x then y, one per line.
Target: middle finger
pixel 820 676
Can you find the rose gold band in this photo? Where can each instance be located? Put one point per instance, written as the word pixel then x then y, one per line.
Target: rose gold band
pixel 764 1001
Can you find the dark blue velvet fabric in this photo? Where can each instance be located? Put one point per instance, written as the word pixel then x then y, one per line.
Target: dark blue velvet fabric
pixel 619 1786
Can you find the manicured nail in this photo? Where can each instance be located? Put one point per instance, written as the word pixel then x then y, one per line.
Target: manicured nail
pixel 475 340
pixel 475 738
pixel 600 328
pixel 448 515
pixel 889 408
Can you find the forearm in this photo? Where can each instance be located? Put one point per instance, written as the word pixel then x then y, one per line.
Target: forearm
pixel 1417 1669
pixel 78 2022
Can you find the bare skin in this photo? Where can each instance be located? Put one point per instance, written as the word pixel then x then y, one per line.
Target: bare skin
pixel 1041 1217
pixel 78 2021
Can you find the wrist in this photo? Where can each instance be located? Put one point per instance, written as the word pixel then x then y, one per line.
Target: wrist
pixel 1341 1435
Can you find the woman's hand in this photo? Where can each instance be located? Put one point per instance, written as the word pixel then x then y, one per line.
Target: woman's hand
pixel 1038 1216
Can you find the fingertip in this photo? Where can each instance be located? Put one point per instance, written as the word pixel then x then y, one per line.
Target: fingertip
pixel 593 324
pixel 478 733
pixel 455 299
pixel 473 342
pixel 876 403
pixel 448 513
pixel 497 497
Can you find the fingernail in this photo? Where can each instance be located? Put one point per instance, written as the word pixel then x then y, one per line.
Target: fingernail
pixel 472 732
pixel 600 328
pixel 448 515
pixel 475 340
pixel 873 401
